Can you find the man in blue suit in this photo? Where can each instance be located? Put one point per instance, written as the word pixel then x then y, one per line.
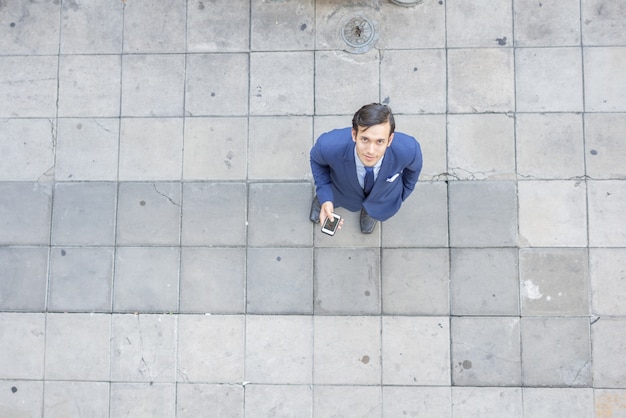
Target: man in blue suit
pixel 343 162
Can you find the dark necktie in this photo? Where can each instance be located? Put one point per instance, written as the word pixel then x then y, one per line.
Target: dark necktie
pixel 369 180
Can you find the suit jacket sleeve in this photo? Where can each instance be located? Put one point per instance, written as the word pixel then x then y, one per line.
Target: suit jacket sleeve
pixel 321 173
pixel 411 173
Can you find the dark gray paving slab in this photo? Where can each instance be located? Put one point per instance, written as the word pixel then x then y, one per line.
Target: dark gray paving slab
pixel 91 28
pixel 415 281
pixel 29 86
pixel 77 347
pixel 84 213
pixel 494 402
pixel 547 24
pixel 279 280
pixel 21 398
pixel 150 27
pixel 289 401
pixel 282 26
pixel 483 214
pixel 609 341
pixel 554 282
pixel 277 214
pixel 29 28
pixel 605 89
pixel 406 342
pixel 143 348
pixel 146 279
pixel 75 399
pixel 486 351
pixel 213 280
pixel 431 132
pixel 608 287
pixel 556 352
pixel 143 399
pixel 153 85
pixel 148 213
pixel 25 213
pixel 193 400
pixel 604 150
pixel 422 26
pixel 23 278
pixel 30 143
pixel 218 26
pixel 214 214
pixel 81 279
pixel 417 401
pixel 347 281
pixel 484 281
pixel 23 345
pixel 279 349
pixel 607 204
pixel 492 25
pixel 558 402
pixel 343 401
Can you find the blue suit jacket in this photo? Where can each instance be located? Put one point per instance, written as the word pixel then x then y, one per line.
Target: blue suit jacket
pixel 334 171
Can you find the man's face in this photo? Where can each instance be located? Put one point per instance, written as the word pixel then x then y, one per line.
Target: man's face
pixel 372 142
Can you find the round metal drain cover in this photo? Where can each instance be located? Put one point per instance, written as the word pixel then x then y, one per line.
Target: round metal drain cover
pixel 358 33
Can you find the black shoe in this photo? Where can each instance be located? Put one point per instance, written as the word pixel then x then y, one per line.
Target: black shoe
pixel 367 223
pixel 315 210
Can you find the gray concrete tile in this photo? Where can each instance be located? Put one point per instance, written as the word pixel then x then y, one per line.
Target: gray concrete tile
pixel 550 146
pixel 218 26
pixel 607 205
pixel 420 224
pixel 431 132
pixel 347 281
pixel 284 159
pixel 153 85
pixel 87 149
pixel 476 402
pixel 347 350
pixel 491 24
pixel 414 81
pixel 413 27
pixel 347 401
pixel 556 352
pixel 21 398
pixel 549 79
pixel 481 147
pixel 610 402
pixel 154 27
pixel 279 281
pixel 146 279
pixel 608 287
pixel 350 234
pixel 30 143
pixel 29 86
pixel 213 280
pixel 334 78
pixel 278 215
pixel 148 213
pixel 275 89
pixel 481 80
pixel 76 399
pixel 554 282
pixel 558 403
pixel 406 342
pixel 78 347
pixel 194 400
pixel 143 348
pixel 89 85
pixel 482 214
pixel 609 342
pixel 604 22
pixel 23 278
pixel 143 400
pixel 547 24
pixel 215 148
pixel 605 85
pixel 91 27
pixel 23 347
pixel 486 351
pixel 415 281
pixel 484 281
pixel 552 213
pixel 214 214
pixel 217 85
pixel 25 209
pixel 81 279
pixel 151 149
pixel 289 401
pixel 604 145
pixel 29 28
pixel 84 213
pixel 279 349
pixel 417 401
pixel 282 26
pixel 211 349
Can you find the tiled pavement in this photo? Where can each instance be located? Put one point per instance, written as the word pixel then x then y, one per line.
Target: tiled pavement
pixel 156 259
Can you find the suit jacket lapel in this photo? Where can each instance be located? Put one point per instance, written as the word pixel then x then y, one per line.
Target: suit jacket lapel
pixel 350 167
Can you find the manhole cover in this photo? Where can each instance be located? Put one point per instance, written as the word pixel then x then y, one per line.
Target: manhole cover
pixel 358 33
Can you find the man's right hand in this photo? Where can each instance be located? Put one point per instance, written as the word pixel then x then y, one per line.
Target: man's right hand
pixel 326 211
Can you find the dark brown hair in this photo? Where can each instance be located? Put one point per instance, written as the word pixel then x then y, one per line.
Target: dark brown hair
pixel 373 114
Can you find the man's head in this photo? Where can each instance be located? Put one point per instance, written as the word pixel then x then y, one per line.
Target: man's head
pixel 372 131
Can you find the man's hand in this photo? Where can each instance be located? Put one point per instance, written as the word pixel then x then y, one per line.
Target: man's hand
pixel 327 211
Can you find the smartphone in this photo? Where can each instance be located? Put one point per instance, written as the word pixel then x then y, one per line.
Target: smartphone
pixel 331 224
